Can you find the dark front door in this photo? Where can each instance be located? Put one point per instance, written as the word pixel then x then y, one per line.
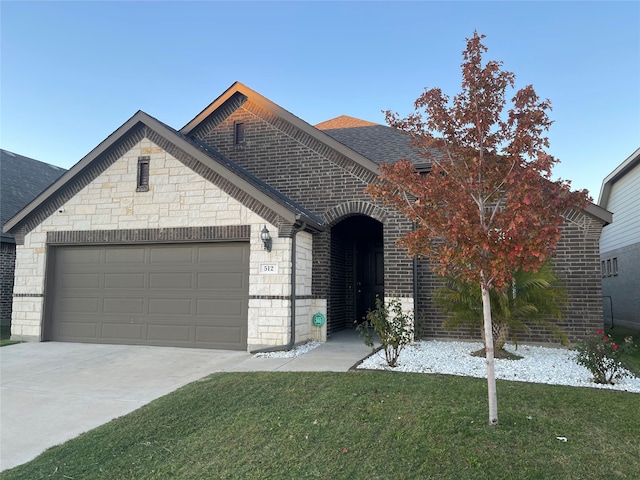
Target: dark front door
pixel 357 271
pixel 369 276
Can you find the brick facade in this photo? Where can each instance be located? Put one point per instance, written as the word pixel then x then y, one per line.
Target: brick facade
pixel 577 266
pixel 7 268
pixel 189 201
pixel 323 181
pixel 331 186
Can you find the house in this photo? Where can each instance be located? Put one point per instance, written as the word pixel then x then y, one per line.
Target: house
pixel 620 244
pixel 247 228
pixel 21 180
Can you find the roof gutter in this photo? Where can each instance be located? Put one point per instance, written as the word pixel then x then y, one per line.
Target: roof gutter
pixel 599 213
pixel 297 227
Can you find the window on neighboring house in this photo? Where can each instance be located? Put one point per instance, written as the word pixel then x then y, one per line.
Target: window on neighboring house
pixel 143 174
pixel 614 266
pixel 609 268
pixel 603 268
pixel 238 133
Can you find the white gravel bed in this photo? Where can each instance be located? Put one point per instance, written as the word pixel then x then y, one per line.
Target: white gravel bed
pixel 556 366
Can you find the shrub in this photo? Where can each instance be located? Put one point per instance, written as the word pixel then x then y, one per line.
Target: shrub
pixel 393 327
pixel 601 356
pixel 533 298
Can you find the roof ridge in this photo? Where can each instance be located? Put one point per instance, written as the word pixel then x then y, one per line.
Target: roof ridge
pixel 344 121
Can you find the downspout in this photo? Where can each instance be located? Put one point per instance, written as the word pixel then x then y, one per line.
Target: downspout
pixel 292 337
pixel 415 289
pixel 415 294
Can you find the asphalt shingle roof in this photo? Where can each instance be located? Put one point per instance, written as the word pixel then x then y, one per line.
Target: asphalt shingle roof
pixel 378 143
pixel 21 180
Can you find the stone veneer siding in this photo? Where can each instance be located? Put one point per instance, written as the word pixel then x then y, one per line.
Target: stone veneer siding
pixel 180 205
pixel 7 268
pixel 320 179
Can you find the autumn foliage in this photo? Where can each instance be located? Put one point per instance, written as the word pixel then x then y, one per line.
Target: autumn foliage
pixel 488 206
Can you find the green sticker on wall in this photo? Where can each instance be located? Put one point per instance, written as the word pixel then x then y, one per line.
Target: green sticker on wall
pixel 318 320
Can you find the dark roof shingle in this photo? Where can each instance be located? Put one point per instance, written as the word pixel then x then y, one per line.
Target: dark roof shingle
pixel 22 179
pixel 379 143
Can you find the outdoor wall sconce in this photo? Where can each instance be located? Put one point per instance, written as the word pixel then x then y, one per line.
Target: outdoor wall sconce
pixel 266 239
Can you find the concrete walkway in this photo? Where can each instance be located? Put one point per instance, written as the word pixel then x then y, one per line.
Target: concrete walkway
pixel 51 392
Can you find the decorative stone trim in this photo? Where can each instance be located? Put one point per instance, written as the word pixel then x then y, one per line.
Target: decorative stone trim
pixel 150 235
pixel 280 297
pixel 356 207
pixel 269 297
pixel 31 295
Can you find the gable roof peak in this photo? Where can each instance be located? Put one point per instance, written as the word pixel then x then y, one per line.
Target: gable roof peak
pixel 620 171
pixel 238 88
pixel 344 121
pixel 268 197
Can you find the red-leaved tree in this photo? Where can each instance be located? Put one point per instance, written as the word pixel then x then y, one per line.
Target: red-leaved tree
pixel 488 205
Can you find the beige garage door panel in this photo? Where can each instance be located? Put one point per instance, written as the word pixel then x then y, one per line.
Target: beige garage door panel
pixel 190 295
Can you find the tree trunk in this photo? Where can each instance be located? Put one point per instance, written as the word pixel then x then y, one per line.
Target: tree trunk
pixel 488 347
pixel 501 335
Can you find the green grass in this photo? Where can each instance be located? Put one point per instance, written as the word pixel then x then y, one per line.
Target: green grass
pixel 357 425
pixel 5 336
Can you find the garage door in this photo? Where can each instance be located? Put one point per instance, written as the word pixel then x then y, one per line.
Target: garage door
pixel 185 295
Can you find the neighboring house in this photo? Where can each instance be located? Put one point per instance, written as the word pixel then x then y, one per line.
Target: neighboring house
pixel 155 236
pixel 620 244
pixel 21 180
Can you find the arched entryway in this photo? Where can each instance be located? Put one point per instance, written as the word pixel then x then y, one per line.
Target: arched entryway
pixel 357 270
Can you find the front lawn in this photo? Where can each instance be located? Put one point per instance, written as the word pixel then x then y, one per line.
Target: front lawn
pixel 357 425
pixel 5 336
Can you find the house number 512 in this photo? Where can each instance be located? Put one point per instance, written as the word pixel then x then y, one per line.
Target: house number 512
pixel 269 268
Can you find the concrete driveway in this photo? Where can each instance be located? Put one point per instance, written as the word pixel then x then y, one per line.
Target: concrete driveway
pixel 51 392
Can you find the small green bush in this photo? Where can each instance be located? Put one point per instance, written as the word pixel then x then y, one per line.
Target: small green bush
pixel 393 327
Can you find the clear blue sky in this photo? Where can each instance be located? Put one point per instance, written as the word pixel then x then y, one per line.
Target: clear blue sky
pixel 73 72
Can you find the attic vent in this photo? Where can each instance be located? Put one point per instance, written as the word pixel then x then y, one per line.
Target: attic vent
pixel 143 174
pixel 238 128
